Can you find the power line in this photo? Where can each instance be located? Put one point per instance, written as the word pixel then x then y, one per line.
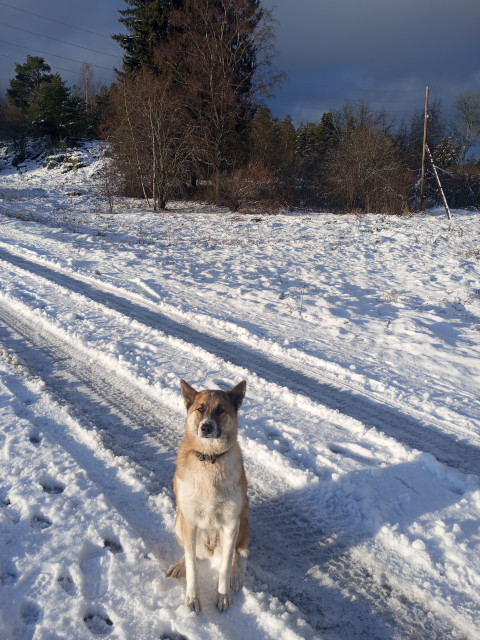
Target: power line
pixel 65 24
pixel 71 44
pixel 53 67
pixel 47 53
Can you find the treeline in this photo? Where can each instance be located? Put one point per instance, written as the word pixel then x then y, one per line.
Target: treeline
pixel 185 119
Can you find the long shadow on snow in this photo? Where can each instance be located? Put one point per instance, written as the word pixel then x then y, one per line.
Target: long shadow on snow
pixel 301 544
pixel 419 435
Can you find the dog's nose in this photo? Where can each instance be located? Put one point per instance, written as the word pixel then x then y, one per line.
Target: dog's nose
pixel 207 428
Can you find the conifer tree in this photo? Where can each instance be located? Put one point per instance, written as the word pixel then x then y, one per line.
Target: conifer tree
pixel 50 110
pixel 29 76
pixel 148 23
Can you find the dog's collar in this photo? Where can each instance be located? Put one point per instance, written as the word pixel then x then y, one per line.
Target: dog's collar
pixel 211 458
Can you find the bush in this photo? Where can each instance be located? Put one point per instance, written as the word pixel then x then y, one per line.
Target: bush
pixel 364 172
pixel 249 187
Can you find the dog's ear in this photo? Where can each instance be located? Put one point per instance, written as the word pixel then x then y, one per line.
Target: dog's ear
pixel 237 394
pixel 188 393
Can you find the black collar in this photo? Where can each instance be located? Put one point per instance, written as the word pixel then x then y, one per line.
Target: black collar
pixel 212 458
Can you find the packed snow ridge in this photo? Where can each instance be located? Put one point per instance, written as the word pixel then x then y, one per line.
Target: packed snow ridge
pixel 359 340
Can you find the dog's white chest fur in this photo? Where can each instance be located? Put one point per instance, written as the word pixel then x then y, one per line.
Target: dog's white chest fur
pixel 209 500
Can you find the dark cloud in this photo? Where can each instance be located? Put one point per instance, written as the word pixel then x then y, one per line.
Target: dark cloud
pixel 333 50
pixel 379 50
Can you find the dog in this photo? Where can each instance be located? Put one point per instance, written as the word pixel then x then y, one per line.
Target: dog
pixel 210 487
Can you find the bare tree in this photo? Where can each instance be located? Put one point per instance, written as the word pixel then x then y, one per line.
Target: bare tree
pixel 151 137
pixel 361 114
pixel 87 87
pixel 364 172
pixel 466 128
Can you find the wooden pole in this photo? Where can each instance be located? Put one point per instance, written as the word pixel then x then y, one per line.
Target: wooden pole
pixel 422 179
pixel 445 203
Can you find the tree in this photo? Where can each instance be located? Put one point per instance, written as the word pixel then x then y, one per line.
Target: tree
pixel 148 23
pixel 29 77
pixel 86 87
pixel 51 109
pixel 411 135
pixel 215 54
pixel 313 143
pixel 466 128
pixel 446 153
pixel 150 137
pixel 365 172
pixel 272 147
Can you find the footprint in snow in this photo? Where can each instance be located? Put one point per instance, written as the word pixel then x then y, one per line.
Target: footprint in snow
pixel 112 546
pixel 40 523
pixel 281 443
pixel 67 583
pixel 95 566
pixel 354 452
pixel 52 487
pixel 35 438
pixel 223 384
pixel 8 515
pixel 98 623
pixel 30 613
pixel 8 577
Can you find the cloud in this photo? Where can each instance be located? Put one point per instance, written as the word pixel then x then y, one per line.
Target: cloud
pixel 383 51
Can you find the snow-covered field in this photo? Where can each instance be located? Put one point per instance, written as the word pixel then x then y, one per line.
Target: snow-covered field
pixel 359 340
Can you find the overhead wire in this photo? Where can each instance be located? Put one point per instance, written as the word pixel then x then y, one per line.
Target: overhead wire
pixel 56 55
pixel 70 44
pixel 54 67
pixel 65 24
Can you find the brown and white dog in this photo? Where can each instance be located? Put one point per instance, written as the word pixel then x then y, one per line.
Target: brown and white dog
pixel 211 491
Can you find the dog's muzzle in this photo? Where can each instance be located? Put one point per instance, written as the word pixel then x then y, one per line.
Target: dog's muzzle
pixel 208 428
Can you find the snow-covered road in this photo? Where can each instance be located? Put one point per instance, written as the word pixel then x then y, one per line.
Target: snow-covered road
pixel 360 431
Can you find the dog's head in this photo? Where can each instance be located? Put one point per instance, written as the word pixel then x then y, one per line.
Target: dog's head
pixel 212 415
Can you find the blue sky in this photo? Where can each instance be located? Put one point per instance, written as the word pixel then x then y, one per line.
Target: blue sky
pixel 333 51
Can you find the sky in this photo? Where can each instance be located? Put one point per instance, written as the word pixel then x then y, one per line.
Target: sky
pixel 333 51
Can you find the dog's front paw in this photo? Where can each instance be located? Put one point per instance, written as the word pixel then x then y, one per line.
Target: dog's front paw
pixel 194 603
pixel 223 602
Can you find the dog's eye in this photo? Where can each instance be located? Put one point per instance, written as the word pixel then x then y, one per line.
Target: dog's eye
pixel 219 411
pixel 201 408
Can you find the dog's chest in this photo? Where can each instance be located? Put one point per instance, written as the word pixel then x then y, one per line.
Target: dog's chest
pixel 209 501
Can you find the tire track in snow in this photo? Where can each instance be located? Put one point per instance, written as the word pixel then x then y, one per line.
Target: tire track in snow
pixel 130 422
pixel 416 433
pixel 304 518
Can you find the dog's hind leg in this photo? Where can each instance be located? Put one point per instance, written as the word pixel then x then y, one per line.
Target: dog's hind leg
pixel 238 571
pixel 177 570
pixel 241 553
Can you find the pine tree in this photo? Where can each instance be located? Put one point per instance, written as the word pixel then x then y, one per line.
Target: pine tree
pixel 148 23
pixel 50 109
pixel 30 76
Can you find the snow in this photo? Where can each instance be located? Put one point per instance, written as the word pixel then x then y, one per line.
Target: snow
pixel 359 340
